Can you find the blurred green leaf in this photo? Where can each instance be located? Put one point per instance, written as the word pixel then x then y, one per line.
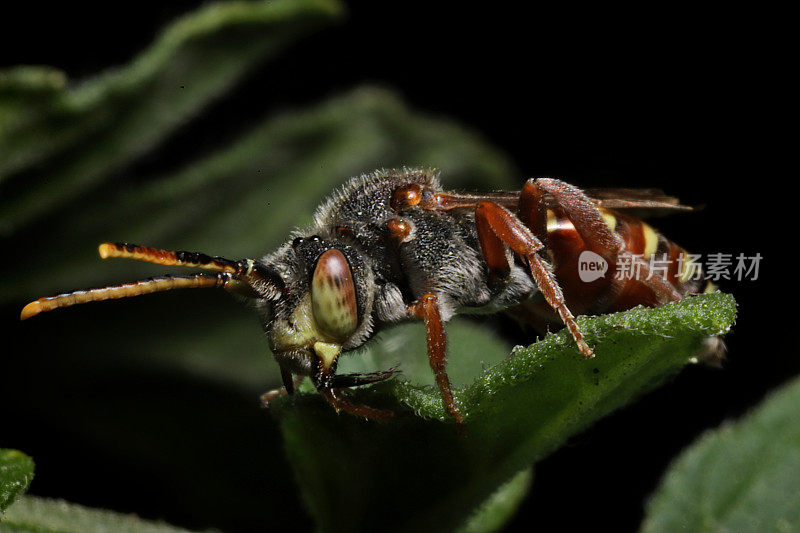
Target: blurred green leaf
pixel 69 138
pixel 744 476
pixel 355 474
pixel 41 515
pixel 16 473
pixel 499 507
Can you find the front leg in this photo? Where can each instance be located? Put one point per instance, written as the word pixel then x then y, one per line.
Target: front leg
pixel 330 386
pixel 324 379
pixel 339 402
pixel 337 382
pixel 427 308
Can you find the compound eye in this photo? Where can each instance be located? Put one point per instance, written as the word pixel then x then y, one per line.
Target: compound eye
pixel 333 296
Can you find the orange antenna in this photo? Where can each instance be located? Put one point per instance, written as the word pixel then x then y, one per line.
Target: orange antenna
pixel 171 258
pixel 125 290
pixel 229 276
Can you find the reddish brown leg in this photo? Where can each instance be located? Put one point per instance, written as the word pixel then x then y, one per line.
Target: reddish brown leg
pixel 511 231
pixel 341 403
pixel 326 384
pixel 589 224
pixel 533 211
pixel 578 208
pixel 290 384
pixel 494 251
pixel 332 393
pixel 427 308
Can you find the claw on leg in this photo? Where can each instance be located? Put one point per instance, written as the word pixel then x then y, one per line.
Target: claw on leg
pixel 340 403
pixel 268 396
pixel 330 386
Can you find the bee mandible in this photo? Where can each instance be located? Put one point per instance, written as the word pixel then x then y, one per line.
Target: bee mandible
pixel 392 246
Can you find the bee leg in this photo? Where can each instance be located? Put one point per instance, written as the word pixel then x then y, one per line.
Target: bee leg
pixel 588 222
pixel 496 225
pixel 340 402
pixel 268 396
pixel 325 382
pixel 577 207
pixel 357 379
pixel 494 251
pixel 290 383
pixel 427 308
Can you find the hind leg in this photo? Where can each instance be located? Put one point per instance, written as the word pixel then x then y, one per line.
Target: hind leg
pixel 590 225
pixel 497 227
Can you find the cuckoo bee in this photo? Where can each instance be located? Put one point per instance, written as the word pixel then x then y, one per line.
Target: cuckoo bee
pixel 393 245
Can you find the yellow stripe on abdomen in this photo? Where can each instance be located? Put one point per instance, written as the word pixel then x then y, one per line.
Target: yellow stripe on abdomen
pixel 650 240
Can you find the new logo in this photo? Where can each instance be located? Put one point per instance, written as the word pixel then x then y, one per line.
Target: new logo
pixel 591 266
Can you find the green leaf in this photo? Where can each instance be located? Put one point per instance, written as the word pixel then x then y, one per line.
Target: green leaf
pixel 743 476
pixel 41 515
pixel 16 473
pixel 70 138
pixel 355 474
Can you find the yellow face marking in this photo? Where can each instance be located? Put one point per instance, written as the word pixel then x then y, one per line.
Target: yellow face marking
pixel 305 334
pixel 650 240
pixel 327 352
pixel 302 334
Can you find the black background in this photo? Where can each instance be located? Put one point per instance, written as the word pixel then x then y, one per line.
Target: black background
pixel 681 99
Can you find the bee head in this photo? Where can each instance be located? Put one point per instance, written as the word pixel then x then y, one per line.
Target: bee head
pixel 313 296
pixel 322 309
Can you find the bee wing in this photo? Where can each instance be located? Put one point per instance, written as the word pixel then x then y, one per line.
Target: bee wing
pixel 640 203
pixel 644 199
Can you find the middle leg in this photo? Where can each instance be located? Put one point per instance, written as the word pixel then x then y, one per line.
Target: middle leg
pixel 427 308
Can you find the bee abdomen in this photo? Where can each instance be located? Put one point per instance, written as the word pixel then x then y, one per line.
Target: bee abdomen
pixel 618 289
